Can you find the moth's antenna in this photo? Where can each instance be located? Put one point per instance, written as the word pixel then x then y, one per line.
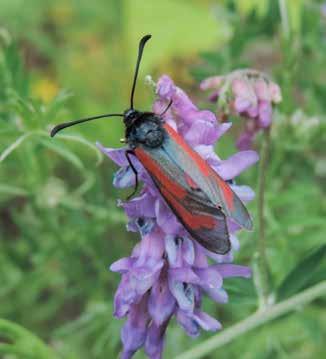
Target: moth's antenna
pixel 60 127
pixel 140 53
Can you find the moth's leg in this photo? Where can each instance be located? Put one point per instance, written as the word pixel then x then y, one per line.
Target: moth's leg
pixel 128 153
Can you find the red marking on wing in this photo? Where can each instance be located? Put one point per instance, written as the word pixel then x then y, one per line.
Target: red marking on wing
pixel 203 166
pixel 227 192
pixel 191 183
pixel 174 193
pixel 194 221
pixel 156 170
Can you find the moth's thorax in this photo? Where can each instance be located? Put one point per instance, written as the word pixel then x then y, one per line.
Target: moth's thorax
pixel 143 128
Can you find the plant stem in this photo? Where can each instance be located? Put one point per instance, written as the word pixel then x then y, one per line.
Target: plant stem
pixel 262 277
pixel 284 18
pixel 254 321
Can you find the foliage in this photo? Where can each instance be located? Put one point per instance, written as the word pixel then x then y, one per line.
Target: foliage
pixel 59 224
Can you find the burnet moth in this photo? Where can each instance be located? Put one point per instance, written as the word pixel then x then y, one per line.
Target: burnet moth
pixel 198 196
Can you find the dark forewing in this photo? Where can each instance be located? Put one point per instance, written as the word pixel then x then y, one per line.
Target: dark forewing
pixel 216 189
pixel 203 220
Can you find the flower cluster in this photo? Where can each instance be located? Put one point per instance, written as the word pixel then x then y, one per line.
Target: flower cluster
pixel 248 93
pixel 167 272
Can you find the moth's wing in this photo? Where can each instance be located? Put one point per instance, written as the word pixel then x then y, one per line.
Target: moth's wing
pixel 216 189
pixel 205 222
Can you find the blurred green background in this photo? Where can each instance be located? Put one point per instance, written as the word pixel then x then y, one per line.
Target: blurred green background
pixel 59 224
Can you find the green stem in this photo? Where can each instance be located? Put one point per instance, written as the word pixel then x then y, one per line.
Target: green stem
pixel 255 320
pixel 284 18
pixel 262 277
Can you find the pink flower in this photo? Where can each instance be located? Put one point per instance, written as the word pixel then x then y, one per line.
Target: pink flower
pixel 249 94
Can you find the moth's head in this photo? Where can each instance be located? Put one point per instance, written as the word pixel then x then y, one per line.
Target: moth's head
pixel 129 116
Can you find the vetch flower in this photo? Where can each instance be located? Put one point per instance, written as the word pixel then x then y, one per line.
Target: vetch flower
pixel 167 273
pixel 249 94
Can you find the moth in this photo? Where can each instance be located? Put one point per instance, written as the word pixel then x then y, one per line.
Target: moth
pixel 197 195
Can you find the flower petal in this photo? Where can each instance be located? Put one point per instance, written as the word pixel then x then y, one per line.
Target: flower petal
pixel 188 251
pixel 166 218
pixel 151 248
pixel 141 206
pixel 241 104
pixel 265 114
pixel 200 257
pixel 234 242
pixel 155 340
pixel 184 274
pixel 124 178
pixel 117 155
pixel 222 128
pixel 206 321
pixel 275 92
pixel 244 142
pixel 173 250
pixel 135 283
pixel 124 297
pixel 161 303
pixel 262 90
pixel 219 295
pixel 183 293
pixel 234 165
pixel 213 82
pixel 122 265
pixel 245 193
pixel 133 333
pixel 242 90
pixel 213 97
pixel 188 323
pixel 208 154
pixel 145 225
pixel 202 132
pixel 233 270
pixel 165 87
pixel 210 277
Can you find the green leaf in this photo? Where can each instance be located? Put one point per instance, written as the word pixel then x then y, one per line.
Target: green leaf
pixel 12 190
pixel 240 291
pixel 23 342
pixel 83 141
pixel 305 273
pixel 13 146
pixel 61 150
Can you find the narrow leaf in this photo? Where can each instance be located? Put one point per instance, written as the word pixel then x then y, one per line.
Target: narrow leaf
pixel 305 273
pixel 14 145
pixel 62 151
pixel 12 190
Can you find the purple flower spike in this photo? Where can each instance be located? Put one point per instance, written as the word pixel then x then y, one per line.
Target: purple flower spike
pixel 249 94
pixel 167 272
